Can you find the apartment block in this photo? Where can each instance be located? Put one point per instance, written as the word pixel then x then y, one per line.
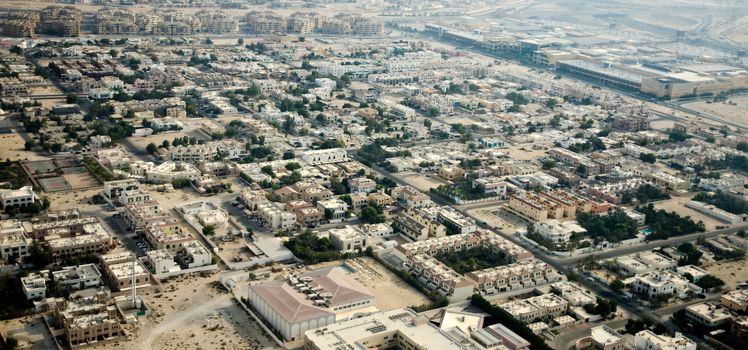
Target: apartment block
pixel 88 320
pixel 325 156
pixel 544 306
pixel 14 243
pixel 78 277
pixel 646 340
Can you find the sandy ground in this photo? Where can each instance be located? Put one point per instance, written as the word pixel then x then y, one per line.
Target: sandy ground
pixel 495 216
pixel 423 182
pixel 733 113
pixel 390 292
pixel 12 147
pixel 732 272
pixel 169 200
pixel 677 204
pixel 30 332
pixel 190 312
pixel 78 199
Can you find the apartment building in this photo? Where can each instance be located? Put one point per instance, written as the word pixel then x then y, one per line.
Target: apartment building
pixel 122 275
pixel 34 285
pixel 265 22
pixel 194 153
pixel 18 198
pixel 348 239
pixel 93 239
pixel 418 225
pixel 167 234
pixel 736 300
pixel 161 261
pixel 334 209
pixel 88 320
pixel 77 277
pixel 647 340
pixel 400 328
pixel 14 244
pixel 709 315
pixel 138 215
pixel 658 283
pixel 411 198
pixel 325 156
pixel 518 275
pixel 453 220
pixel 13 87
pixel 62 21
pixel 451 173
pixel 546 306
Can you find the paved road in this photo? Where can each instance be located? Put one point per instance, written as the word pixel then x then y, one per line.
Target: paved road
pixel 568 265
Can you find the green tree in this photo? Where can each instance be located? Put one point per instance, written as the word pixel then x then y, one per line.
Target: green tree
pixel 648 157
pixel 617 284
pixel 209 230
pixel 151 148
pixel 71 98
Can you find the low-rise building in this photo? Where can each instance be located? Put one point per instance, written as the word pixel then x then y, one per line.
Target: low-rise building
pixel 348 239
pixel 88 320
pixel 299 303
pixel 736 300
pixel 34 285
pixel 401 328
pixel 78 277
pixel 14 244
pixel 540 307
pixel 709 315
pixel 647 340
pixel 194 254
pixel 17 198
pixel 606 338
pixel 325 156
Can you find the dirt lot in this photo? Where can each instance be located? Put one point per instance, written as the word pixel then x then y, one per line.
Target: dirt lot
pixel 390 292
pixel 422 182
pixel 30 332
pixel 190 312
pixel 732 272
pixel 12 147
pixel 497 217
pixel 734 113
pixel 677 204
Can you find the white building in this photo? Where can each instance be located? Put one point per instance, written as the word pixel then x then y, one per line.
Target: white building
pixel 646 340
pixel 165 172
pixel 78 277
pixel 325 156
pixel 658 283
pixel 17 198
pixel 161 261
pixel 194 254
pixel 34 285
pixel 400 328
pixel 274 217
pixel 194 153
pixel 540 307
pixel 348 239
pixel 559 231
pixel 606 338
pixel 13 240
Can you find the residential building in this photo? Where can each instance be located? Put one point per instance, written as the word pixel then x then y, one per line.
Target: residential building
pixel 17 198
pixel 658 283
pixel 194 254
pixel 411 198
pixel 92 239
pixel 13 240
pixel 709 315
pixel 540 307
pixel 362 184
pixel 273 217
pixel 167 234
pixel 417 225
pixel 647 340
pixel 606 338
pixel 492 185
pixel 325 156
pixel 88 320
pixel 348 239
pixel 559 231
pixel 736 300
pixel 333 208
pixel 77 277
pixel 34 285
